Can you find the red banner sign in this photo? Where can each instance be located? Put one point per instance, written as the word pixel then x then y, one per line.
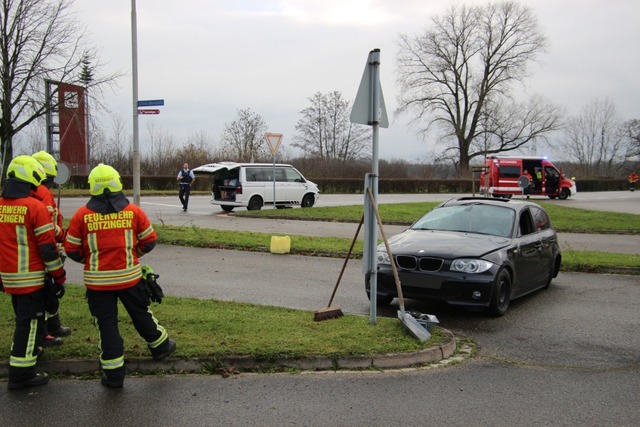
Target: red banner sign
pixel 73 125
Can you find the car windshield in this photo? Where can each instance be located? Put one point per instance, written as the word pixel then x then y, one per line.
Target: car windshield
pixel 470 218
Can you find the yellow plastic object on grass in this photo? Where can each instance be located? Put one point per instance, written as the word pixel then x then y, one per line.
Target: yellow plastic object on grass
pixel 280 245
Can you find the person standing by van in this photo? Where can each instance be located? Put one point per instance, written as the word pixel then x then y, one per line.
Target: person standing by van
pixel 185 179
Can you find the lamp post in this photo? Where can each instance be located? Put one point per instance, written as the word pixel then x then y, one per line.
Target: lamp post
pixel 134 74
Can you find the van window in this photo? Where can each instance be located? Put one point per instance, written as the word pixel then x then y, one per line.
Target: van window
pixel 293 175
pixel 256 174
pixel 281 176
pixel 509 171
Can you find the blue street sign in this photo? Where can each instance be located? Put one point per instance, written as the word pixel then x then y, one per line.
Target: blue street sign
pixel 151 103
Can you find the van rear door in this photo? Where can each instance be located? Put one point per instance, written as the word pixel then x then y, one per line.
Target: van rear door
pixel 212 168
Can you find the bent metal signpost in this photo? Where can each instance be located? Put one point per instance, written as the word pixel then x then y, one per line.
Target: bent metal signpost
pixel 274 140
pixel 369 109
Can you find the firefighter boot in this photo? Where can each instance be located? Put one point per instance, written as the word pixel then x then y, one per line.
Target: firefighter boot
pixel 113 378
pixel 62 331
pixel 36 380
pixel 164 350
pixel 51 341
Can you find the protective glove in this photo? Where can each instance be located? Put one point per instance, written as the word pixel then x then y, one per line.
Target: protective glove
pixel 61 278
pixel 55 286
pixel 154 291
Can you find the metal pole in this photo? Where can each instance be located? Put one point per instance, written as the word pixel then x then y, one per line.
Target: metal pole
pixel 134 73
pixel 47 97
pixel 372 182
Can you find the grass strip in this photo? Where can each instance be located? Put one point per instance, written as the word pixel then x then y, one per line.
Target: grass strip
pixel 564 219
pixel 208 328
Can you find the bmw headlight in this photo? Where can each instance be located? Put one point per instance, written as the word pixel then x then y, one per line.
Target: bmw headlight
pixel 383 258
pixel 470 265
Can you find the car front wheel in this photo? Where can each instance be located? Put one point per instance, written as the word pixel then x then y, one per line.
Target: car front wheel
pixel 381 300
pixel 564 194
pixel 501 294
pixel 307 201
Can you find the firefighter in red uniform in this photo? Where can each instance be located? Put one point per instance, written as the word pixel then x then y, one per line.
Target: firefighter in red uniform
pixel 108 235
pixel 29 253
pixel 633 178
pixel 53 328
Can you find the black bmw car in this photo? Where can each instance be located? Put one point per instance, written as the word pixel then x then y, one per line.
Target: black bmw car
pixel 472 251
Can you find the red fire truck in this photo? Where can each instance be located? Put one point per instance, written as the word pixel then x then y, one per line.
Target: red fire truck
pixel 503 178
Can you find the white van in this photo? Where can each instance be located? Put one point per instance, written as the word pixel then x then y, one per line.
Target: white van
pixel 253 185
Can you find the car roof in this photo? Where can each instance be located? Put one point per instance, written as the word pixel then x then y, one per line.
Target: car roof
pixel 214 167
pixel 495 201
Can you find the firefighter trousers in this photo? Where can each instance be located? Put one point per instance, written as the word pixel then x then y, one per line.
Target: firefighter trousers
pixel 103 306
pixel 52 317
pixel 29 310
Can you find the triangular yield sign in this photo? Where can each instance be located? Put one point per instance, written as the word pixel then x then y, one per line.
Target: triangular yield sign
pixel 273 139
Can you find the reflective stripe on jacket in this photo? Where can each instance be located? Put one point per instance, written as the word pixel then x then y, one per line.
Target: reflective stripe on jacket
pixel 28 245
pixel 109 245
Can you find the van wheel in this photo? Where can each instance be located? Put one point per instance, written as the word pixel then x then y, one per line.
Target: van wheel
pixel 564 194
pixel 227 208
pixel 307 201
pixel 255 204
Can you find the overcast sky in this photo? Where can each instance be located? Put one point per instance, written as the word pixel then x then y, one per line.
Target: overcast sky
pixel 209 58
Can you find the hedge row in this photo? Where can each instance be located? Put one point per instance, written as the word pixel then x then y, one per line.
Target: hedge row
pixel 351 185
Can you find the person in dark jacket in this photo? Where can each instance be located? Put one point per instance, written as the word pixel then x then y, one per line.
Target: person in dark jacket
pixel 185 179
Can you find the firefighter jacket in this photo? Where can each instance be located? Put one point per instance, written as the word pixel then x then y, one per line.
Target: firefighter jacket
pixel 27 243
pixel 45 195
pixel 108 235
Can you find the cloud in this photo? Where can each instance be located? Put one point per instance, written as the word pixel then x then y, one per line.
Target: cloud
pixel 208 58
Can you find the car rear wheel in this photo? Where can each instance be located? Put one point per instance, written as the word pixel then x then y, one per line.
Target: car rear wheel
pixel 255 204
pixel 501 294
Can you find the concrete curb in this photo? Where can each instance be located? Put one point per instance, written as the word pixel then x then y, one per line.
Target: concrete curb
pixel 425 356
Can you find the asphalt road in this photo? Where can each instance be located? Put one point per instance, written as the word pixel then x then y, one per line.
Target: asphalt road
pixel 168 210
pixel 566 356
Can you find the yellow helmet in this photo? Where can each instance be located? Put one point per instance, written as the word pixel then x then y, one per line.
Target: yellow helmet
pixel 48 162
pixel 104 177
pixel 26 168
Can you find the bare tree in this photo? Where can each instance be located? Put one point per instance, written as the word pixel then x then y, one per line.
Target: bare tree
pixel 115 148
pixel 39 40
pixel 595 139
pixel 632 133
pixel 197 151
pixel 457 76
pixel 326 132
pixel 243 138
pixel 158 159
